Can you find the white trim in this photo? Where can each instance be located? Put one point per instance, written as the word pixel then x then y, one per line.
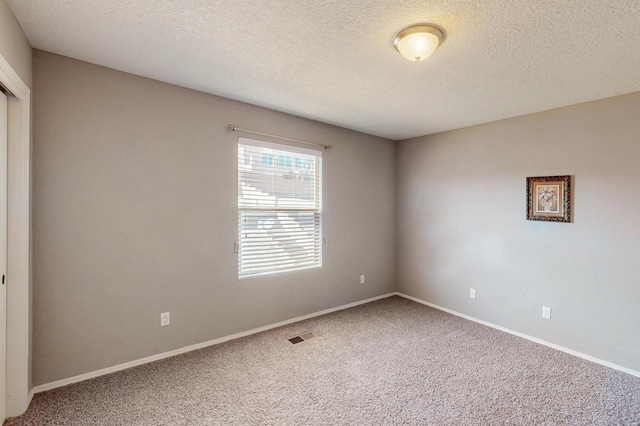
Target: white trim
pixel 18 240
pixel 119 367
pixel 526 336
pixel 126 365
pixel 4 120
pixel 279 147
pixel 11 80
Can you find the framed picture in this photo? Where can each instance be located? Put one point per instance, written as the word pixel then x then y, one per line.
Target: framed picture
pixel 549 198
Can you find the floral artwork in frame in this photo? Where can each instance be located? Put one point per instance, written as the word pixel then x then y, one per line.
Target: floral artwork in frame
pixel 549 198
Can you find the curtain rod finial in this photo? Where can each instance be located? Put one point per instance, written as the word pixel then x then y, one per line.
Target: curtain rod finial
pixel 231 127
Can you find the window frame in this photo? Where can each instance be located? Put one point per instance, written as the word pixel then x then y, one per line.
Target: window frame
pixel 292 161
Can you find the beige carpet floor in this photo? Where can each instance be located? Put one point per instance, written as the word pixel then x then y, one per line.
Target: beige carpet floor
pixel 389 362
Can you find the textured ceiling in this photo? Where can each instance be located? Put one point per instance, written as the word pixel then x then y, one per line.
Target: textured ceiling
pixel 334 61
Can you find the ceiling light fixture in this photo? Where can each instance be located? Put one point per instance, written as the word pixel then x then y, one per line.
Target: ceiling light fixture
pixel 418 42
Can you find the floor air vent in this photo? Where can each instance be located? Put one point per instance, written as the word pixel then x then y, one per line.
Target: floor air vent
pixel 301 338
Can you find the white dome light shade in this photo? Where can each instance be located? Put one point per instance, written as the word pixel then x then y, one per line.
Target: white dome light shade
pixel 418 42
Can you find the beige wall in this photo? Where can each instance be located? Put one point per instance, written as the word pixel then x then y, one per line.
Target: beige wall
pixel 461 224
pixel 14 46
pixel 135 213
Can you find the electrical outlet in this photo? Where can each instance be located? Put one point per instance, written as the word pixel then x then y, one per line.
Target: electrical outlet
pixel 361 279
pixel 546 312
pixel 472 293
pixel 165 319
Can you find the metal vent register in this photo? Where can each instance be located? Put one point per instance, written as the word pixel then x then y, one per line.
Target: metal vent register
pixel 301 338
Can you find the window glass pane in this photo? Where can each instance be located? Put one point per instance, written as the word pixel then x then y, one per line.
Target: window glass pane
pixel 276 242
pixel 284 161
pixel 279 216
pixel 267 159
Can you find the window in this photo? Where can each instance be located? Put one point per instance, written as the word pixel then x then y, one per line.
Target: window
pixel 279 208
pixel 267 159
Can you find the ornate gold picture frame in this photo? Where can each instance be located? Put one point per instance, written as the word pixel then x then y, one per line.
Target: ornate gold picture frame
pixel 549 198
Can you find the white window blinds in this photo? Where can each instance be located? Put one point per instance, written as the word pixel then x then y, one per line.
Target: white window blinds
pixel 279 208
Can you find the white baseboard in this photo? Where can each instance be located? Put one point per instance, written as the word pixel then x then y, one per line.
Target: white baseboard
pixel 119 367
pixel 157 357
pixel 525 336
